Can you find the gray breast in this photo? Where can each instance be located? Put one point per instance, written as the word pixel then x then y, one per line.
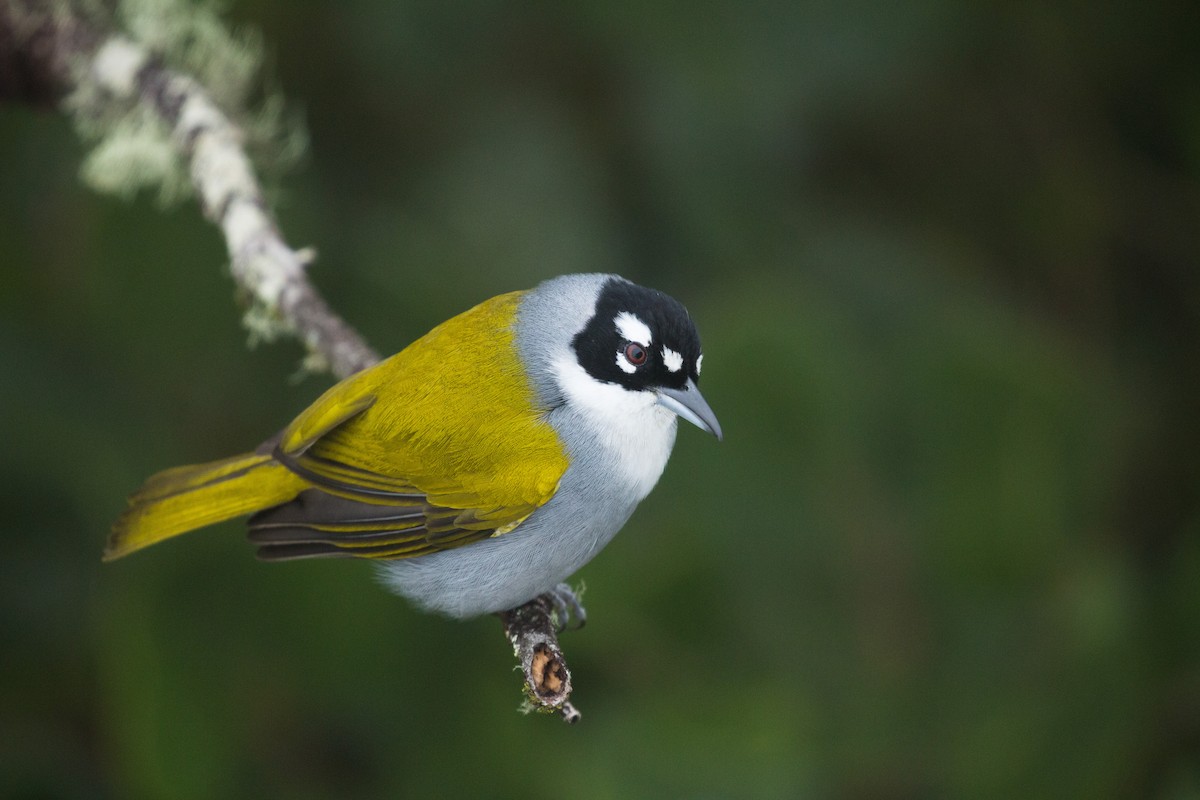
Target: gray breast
pixel 505 571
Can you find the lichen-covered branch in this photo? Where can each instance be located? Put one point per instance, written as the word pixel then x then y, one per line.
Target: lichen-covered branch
pixel 51 52
pixel 48 52
pixel 262 263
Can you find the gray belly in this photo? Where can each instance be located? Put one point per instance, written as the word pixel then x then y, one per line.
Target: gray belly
pixel 506 571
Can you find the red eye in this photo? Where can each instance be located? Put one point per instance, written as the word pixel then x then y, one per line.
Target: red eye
pixel 635 354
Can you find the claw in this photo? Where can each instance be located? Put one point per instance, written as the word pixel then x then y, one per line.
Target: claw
pixel 569 613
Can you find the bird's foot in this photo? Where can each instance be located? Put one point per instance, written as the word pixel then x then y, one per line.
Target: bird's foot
pixel 568 612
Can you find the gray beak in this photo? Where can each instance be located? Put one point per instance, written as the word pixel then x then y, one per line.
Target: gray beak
pixel 691 405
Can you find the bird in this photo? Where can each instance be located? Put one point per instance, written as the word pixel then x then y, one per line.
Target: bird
pixel 478 468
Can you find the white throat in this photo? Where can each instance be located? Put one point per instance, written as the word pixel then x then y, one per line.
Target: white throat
pixel 635 431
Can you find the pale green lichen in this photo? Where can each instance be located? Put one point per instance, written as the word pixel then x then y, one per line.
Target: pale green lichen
pixel 136 153
pixel 191 37
pixel 314 363
pixel 134 149
pixel 264 324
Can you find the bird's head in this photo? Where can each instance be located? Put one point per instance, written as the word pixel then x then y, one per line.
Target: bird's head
pixel 629 349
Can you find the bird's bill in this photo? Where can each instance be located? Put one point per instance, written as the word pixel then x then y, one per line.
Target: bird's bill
pixel 691 405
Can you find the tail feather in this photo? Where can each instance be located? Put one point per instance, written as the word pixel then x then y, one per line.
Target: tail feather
pixel 182 499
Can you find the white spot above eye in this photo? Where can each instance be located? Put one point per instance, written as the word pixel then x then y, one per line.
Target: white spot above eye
pixel 631 327
pixel 672 360
pixel 699 361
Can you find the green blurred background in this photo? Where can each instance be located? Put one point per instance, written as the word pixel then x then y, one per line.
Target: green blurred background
pixel 943 256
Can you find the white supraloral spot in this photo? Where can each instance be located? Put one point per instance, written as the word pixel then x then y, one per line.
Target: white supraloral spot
pixel 699 361
pixel 633 329
pixel 672 360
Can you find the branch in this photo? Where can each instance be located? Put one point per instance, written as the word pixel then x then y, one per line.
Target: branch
pixel 36 48
pixel 533 632
pixel 262 263
pixel 48 52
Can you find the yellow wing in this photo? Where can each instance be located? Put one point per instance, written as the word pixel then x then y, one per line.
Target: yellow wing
pixel 440 445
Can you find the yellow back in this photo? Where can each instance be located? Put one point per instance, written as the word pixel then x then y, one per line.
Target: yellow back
pixel 452 416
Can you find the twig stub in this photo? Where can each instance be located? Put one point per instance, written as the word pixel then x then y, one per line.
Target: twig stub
pixel 532 630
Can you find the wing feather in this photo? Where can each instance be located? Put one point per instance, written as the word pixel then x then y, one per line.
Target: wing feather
pixel 403 464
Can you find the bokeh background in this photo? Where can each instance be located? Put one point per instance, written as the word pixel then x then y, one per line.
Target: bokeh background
pixel 943 256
